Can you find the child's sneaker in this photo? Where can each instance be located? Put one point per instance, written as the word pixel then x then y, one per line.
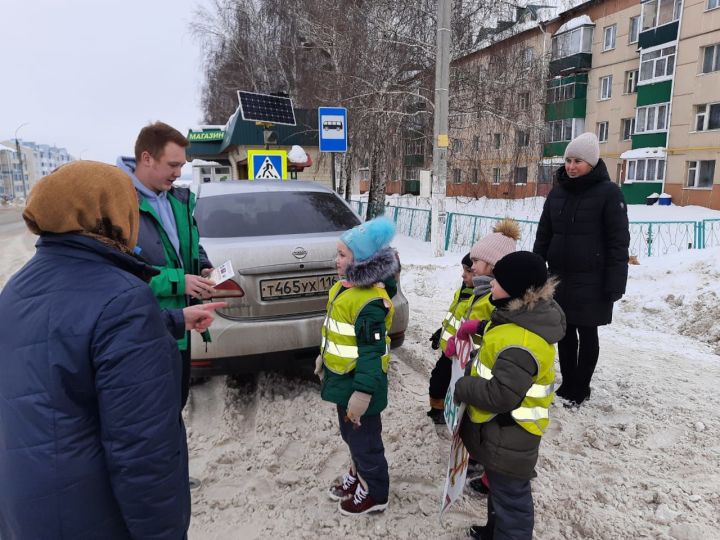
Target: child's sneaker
pixel 480 485
pixel 345 488
pixel 481 532
pixel 437 416
pixel 360 503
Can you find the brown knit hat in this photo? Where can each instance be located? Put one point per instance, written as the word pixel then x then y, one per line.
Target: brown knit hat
pixel 497 244
pixel 89 198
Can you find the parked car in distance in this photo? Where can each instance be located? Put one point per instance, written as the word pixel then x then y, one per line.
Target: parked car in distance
pixel 281 238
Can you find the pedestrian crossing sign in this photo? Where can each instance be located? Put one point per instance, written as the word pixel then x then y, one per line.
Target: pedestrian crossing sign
pixel 267 165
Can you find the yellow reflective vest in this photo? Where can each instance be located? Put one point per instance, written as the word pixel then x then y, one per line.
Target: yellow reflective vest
pixel 339 342
pixel 457 309
pixel 533 412
pixel 479 309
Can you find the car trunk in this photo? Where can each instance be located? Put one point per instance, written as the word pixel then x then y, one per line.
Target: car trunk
pixel 281 276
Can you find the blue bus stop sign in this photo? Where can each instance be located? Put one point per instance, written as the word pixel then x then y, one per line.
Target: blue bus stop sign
pixel 332 126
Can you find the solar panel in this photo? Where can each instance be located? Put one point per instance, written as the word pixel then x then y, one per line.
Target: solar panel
pixel 266 108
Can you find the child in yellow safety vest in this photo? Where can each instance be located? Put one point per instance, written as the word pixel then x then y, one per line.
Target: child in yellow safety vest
pixel 509 390
pixel 354 359
pixel 440 376
pixel 484 255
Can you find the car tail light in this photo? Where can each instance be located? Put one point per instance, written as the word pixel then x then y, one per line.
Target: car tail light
pixel 228 289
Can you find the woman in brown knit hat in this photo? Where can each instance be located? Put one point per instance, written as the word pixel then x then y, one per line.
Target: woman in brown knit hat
pixel 90 386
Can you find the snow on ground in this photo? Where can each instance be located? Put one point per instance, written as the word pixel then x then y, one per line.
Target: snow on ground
pixel 641 459
pixel 530 208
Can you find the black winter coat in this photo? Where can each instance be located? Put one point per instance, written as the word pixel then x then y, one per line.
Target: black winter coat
pixel 584 236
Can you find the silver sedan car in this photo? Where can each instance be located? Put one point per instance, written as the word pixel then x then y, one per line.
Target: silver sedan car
pixel 281 239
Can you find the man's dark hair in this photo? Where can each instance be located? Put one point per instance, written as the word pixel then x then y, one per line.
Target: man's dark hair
pixel 154 137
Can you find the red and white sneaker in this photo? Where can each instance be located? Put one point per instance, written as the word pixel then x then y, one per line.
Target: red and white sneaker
pixel 345 488
pixel 360 503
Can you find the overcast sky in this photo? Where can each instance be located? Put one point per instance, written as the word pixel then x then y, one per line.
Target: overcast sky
pixel 88 74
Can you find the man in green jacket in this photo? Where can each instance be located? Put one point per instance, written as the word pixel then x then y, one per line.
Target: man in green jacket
pixel 168 238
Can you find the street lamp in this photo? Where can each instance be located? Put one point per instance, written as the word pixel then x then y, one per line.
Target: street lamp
pixel 19 153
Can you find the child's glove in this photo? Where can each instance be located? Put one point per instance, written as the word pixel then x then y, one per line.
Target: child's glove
pixel 450 347
pixel 469 328
pixel 357 406
pixel 435 339
pixel 319 367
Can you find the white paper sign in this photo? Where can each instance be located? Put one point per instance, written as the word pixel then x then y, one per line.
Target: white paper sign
pixel 222 273
pixel 459 456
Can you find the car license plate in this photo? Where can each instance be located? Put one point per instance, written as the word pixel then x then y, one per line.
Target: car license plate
pixel 276 289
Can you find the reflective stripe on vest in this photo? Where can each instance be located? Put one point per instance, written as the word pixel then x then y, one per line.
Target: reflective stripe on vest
pixel 533 412
pixel 339 341
pixel 453 318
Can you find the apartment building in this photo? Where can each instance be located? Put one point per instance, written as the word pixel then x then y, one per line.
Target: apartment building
pixel 496 122
pixel 643 75
pixel 693 140
pixel 38 160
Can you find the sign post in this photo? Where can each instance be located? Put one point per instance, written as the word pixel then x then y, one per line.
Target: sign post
pixel 332 129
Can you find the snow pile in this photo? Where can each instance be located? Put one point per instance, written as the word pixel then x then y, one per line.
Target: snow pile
pixel 676 293
pixel 573 23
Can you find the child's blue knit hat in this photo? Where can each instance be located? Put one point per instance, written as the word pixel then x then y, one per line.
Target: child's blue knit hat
pixel 367 239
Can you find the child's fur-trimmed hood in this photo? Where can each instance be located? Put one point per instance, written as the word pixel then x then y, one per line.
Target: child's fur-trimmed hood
pixel 536 311
pixel 381 266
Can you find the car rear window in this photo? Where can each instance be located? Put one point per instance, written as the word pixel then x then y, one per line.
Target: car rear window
pixel 272 213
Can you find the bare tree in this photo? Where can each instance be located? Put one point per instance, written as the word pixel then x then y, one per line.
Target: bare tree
pixel 370 56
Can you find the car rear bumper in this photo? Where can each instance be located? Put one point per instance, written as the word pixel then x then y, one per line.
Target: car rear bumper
pixel 252 345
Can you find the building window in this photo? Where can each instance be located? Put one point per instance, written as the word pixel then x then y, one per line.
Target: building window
pixel 602 131
pixel 496 140
pixel 609 33
pixel 578 40
pixel 457 145
pixel 634 33
pixel 651 118
pixel 701 174
pixel 631 80
pixel 457 176
pixel 546 173
pixel 496 175
pixel 659 12
pixel 561 92
pixel 657 64
pixel 415 147
pixel 527 56
pixel 524 101
pixel 563 130
pixel 520 175
pixel 707 117
pixel 712 4
pixel 711 58
pixel 412 173
pixel 645 170
pixel 523 138
pixel 628 128
pixel 605 87
pixel 474 178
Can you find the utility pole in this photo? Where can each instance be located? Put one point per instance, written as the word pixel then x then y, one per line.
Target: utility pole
pixel 20 161
pixel 440 129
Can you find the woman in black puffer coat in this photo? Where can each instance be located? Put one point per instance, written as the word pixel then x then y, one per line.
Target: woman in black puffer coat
pixel 584 236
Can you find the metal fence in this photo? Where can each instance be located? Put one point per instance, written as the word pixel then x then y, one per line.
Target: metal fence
pixel 647 238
